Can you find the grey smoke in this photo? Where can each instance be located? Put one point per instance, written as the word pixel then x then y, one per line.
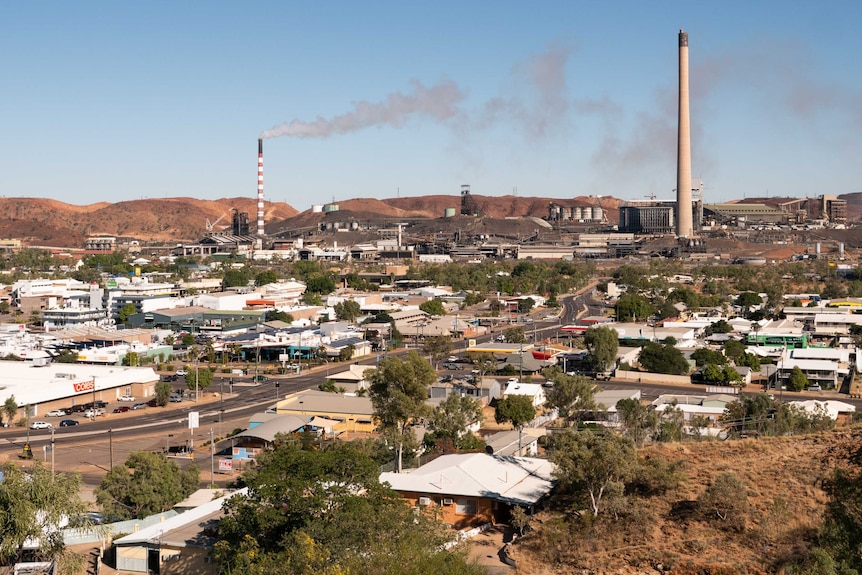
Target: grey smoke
pixel 438 102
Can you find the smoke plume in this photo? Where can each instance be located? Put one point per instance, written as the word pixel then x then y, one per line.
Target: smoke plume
pixel 438 102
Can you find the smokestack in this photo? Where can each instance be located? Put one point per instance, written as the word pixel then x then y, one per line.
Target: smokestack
pixel 684 226
pixel 260 231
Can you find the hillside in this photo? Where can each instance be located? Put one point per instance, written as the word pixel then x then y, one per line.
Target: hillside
pixel 782 476
pixel 48 222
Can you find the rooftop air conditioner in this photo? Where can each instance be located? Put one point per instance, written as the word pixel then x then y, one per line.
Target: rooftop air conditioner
pixel 424 501
pixel 448 501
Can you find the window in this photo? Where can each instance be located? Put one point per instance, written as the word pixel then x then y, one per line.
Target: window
pixel 465 506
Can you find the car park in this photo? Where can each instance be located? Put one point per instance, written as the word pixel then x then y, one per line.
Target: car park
pixel 68 423
pixel 139 406
pixel 56 413
pixel 122 409
pixel 127 398
pixel 40 425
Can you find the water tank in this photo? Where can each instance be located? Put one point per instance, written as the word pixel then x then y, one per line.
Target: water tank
pixel 817 248
pixel 576 214
pixel 449 213
pixel 841 250
pixel 587 214
pixel 316 208
pixel 330 208
pixel 598 213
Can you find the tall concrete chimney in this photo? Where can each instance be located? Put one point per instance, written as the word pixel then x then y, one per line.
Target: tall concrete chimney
pixel 684 226
pixel 260 231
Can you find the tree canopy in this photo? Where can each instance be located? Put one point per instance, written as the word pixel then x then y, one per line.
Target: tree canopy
pixel 663 358
pixel 154 485
pixel 348 310
pixel 631 307
pixel 433 307
pixel 515 409
pixel 34 503
pixel 325 512
pixel 571 395
pixel 602 344
pixel 398 390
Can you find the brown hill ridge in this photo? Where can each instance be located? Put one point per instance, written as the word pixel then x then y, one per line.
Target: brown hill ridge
pixel 39 221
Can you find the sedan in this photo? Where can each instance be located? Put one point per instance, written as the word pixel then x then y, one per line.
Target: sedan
pixel 181 372
pixel 40 425
pixel 127 398
pixel 139 406
pixel 56 413
pixel 122 409
pixel 68 422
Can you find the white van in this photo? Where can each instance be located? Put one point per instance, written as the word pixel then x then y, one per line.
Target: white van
pixel 237 372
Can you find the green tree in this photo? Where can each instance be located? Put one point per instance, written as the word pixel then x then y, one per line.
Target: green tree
pixel 437 347
pixel 593 468
pixel 348 310
pixel 721 326
pixel 631 307
pixel 265 277
pixel 235 278
pixel 662 358
pixel 147 484
pixel 307 513
pixel 398 390
pixel 66 356
pixel 452 416
pixel 187 340
pixel 34 505
pixel 798 380
pixel 602 344
pixel 725 502
pixel 515 335
pixel 278 315
pixel 10 409
pixel 526 304
pixel 712 373
pixel 320 283
pixel 433 307
pixel 163 392
pixel 637 420
pixel 570 395
pixel 746 300
pixel 703 356
pixel 515 409
pixel 734 349
pixel 198 378
pixel 125 312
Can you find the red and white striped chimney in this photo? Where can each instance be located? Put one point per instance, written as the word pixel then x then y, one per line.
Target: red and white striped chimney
pixel 260 231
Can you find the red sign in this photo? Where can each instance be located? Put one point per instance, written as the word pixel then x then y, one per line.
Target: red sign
pixel 225 464
pixel 84 386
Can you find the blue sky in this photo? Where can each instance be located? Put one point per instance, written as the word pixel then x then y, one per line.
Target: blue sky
pixel 107 101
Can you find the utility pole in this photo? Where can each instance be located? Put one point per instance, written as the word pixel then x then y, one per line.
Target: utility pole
pixel 110 446
pixel 212 459
pixel 52 451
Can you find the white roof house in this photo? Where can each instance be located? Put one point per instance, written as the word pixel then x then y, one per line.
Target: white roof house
pixel 831 407
pixel 531 390
pixel 519 480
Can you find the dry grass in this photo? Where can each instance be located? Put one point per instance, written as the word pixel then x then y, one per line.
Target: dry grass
pixel 783 478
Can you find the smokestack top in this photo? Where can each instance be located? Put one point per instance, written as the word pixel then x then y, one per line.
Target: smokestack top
pixel 683 38
pixel 260 145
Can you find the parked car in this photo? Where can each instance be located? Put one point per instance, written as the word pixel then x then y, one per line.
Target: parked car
pixel 94 412
pixel 40 425
pixel 122 409
pixel 815 387
pixel 56 413
pixel 260 378
pixel 139 406
pixel 450 366
pixel 100 404
pixel 78 408
pixel 181 372
pixel 127 398
pixel 452 358
pixel 175 398
pixel 153 402
pixel 68 423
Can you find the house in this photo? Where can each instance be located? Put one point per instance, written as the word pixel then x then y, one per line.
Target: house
pixel 353 414
pixel 180 544
pixel 352 379
pixel 838 410
pixel 512 442
pixel 484 390
pixel 532 390
pixel 469 489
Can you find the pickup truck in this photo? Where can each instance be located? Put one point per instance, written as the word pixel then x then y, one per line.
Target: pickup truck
pixel 94 412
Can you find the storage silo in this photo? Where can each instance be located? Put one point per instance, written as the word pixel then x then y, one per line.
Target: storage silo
pixel 576 214
pixel 598 213
pixel 587 214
